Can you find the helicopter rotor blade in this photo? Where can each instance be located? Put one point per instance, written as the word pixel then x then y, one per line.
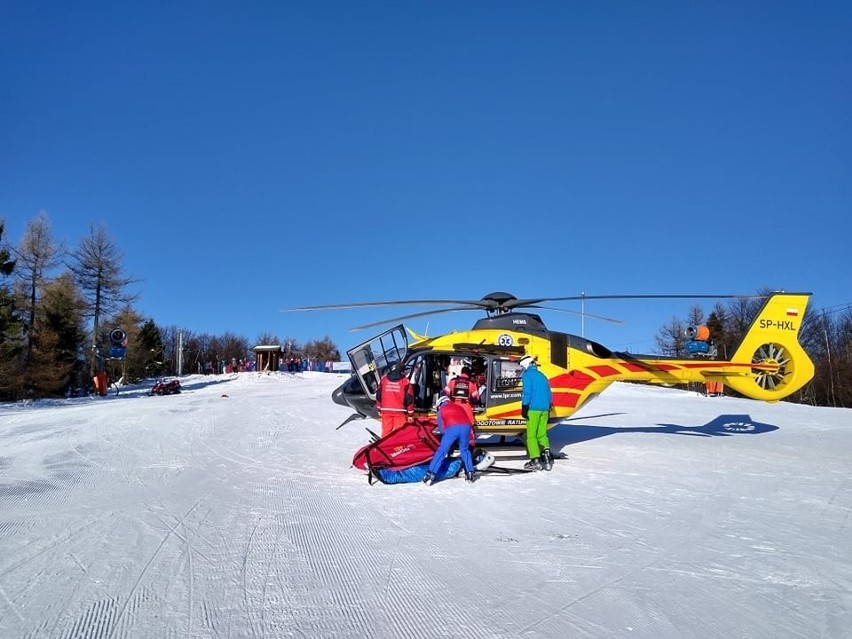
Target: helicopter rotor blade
pixel 582 314
pixel 505 301
pixel 407 317
pixel 473 305
pixel 502 302
pixel 632 297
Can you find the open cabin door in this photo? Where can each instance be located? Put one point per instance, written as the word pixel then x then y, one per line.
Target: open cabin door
pixel 371 359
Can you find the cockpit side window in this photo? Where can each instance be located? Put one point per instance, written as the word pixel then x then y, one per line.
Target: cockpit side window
pixel 505 375
pixel 371 359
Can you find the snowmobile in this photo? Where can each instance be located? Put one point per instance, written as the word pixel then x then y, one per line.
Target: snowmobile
pixel 166 387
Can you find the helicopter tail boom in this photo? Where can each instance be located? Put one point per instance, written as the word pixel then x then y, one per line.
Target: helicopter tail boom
pixel 769 364
pixel 780 366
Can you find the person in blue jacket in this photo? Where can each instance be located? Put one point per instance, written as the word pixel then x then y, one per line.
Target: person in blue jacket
pixel 455 424
pixel 535 408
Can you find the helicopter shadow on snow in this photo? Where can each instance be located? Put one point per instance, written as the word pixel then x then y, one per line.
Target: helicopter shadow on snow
pixel 726 425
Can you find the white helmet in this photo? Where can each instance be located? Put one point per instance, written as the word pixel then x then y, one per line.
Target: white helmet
pixel 527 361
pixel 443 399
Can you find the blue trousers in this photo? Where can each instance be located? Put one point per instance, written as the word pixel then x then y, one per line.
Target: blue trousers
pixel 453 434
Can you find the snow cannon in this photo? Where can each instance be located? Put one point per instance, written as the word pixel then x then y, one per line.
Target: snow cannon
pixel 117 343
pixel 700 333
pixel 699 339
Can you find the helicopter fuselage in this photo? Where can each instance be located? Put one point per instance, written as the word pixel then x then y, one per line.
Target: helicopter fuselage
pixel 769 365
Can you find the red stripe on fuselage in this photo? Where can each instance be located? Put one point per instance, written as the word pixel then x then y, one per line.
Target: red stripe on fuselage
pixel 566 399
pixel 604 371
pixel 572 379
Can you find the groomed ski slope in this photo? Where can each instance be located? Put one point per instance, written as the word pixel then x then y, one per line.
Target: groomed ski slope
pixel 231 510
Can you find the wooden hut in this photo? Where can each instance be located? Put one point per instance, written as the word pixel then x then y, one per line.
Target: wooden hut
pixel 268 357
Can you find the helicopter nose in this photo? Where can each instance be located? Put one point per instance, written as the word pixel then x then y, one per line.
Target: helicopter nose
pixel 339 395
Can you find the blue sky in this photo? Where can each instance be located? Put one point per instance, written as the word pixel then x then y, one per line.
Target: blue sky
pixel 249 157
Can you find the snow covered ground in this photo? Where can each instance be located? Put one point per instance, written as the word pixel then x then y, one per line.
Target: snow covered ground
pixel 231 510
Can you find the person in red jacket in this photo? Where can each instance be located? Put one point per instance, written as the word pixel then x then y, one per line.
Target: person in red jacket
pixel 395 399
pixel 456 426
pixel 463 390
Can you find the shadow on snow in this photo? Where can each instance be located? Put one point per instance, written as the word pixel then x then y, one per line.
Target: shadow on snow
pixel 722 426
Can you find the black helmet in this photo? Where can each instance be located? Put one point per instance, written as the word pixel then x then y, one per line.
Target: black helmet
pixel 395 370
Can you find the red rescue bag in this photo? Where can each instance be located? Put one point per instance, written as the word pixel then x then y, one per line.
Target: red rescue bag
pixel 410 445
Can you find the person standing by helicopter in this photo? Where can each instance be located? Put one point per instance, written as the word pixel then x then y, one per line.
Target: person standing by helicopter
pixel 395 399
pixel 535 408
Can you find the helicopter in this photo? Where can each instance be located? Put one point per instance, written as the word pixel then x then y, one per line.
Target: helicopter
pixel 768 365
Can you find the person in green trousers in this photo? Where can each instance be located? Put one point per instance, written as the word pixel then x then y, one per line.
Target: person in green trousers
pixel 535 408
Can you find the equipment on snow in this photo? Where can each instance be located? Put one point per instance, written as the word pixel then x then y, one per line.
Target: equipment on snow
pixel 547 459
pixel 163 387
pixel 408 446
pixel 533 464
pixel 403 456
pixel 482 459
pixel 448 468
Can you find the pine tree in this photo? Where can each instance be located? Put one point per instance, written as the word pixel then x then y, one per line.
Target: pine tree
pixel 150 344
pixel 97 268
pixel 11 328
pixel 717 323
pixel 37 255
pixel 62 307
pixel 46 373
pixel 9 321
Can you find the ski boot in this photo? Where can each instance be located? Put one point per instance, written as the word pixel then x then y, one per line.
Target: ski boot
pixel 429 479
pixel 533 464
pixel 470 477
pixel 547 459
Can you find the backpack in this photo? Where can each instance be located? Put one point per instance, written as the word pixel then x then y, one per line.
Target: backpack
pixel 461 388
pixel 412 445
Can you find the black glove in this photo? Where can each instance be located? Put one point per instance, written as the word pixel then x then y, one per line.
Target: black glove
pixel 525 410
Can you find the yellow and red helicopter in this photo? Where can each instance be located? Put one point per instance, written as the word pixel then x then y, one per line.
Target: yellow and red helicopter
pixel 768 365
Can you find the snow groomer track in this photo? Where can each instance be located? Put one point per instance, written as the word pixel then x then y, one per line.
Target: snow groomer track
pixel 231 510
